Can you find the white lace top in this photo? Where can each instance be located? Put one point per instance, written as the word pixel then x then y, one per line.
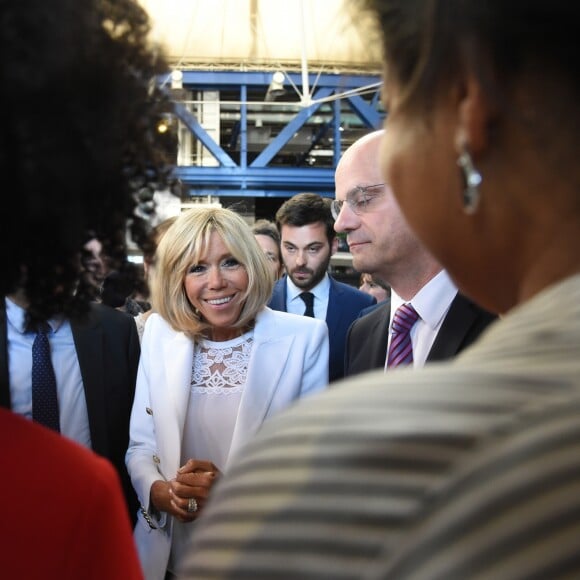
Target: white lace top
pixel 218 379
pixel 221 367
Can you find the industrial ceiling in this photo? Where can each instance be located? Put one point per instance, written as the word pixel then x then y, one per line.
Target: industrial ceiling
pixel 267 93
pixel 331 35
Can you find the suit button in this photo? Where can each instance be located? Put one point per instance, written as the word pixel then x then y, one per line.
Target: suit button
pixel 149 411
pixel 156 459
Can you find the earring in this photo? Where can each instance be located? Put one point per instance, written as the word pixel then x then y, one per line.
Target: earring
pixel 472 179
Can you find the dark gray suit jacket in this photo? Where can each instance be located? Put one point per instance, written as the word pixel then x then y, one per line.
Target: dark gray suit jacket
pixel 367 337
pixel 108 350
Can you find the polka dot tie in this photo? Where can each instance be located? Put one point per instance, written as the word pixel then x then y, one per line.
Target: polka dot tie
pixel 44 399
pixel 401 348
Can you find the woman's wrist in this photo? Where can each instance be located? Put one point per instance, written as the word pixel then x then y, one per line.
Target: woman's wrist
pixel 159 496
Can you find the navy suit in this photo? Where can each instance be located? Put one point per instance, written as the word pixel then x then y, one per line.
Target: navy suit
pixel 344 306
pixel 107 346
pixel 367 338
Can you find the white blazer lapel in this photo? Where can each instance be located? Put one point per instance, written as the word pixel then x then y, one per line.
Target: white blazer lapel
pixel 264 378
pixel 177 365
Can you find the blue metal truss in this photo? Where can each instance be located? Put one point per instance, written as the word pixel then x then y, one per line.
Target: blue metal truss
pixel 258 178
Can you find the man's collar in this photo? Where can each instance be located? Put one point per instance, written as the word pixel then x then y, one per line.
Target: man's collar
pixel 320 291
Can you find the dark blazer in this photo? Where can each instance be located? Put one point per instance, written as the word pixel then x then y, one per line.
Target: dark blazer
pixel 344 306
pixel 367 338
pixel 107 346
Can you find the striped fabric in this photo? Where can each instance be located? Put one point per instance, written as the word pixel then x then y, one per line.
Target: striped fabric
pixel 513 511
pixel 467 469
pixel 401 348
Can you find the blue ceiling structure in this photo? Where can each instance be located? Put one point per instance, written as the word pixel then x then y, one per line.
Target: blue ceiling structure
pixel 298 152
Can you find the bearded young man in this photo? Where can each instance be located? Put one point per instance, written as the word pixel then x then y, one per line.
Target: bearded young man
pixel 308 239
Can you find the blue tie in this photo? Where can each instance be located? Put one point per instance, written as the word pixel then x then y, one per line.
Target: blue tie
pixel 44 399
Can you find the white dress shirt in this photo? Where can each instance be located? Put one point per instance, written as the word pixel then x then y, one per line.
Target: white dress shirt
pixel 72 405
pixel 295 304
pixel 432 303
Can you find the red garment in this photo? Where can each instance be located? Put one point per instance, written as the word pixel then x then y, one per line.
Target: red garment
pixel 63 512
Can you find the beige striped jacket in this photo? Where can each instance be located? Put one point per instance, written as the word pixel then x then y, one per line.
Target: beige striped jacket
pixel 467 469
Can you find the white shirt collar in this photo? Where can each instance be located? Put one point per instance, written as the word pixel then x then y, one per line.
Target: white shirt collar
pixel 320 291
pixel 16 315
pixel 431 302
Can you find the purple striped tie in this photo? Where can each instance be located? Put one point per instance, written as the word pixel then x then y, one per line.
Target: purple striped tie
pixel 401 349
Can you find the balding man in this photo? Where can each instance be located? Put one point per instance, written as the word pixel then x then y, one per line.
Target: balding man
pixel 440 321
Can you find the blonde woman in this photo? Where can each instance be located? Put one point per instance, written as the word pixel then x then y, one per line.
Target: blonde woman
pixel 215 363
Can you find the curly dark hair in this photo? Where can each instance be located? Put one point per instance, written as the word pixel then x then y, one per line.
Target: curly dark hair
pixel 78 141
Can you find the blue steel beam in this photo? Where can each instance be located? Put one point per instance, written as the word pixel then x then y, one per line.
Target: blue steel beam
pixel 258 193
pixel 288 132
pixel 365 111
pixel 259 180
pixel 320 133
pixel 303 178
pixel 193 125
pixel 204 80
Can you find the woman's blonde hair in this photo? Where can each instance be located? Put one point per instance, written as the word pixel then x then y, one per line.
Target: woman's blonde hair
pixel 184 244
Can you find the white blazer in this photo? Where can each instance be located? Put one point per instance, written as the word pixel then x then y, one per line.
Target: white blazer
pixel 289 359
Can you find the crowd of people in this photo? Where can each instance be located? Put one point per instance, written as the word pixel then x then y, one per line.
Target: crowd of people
pixel 465 468
pixel 308 240
pixel 255 417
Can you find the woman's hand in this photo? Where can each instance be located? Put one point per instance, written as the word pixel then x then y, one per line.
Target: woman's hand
pixel 159 496
pixel 194 481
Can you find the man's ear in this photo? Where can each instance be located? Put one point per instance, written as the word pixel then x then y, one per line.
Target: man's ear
pixel 334 246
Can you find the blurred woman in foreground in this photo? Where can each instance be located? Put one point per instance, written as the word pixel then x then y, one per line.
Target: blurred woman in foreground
pixel 475 463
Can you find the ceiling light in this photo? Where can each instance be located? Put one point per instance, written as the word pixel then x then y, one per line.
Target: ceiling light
pixel 276 88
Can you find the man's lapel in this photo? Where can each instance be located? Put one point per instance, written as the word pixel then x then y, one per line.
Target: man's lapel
pixel 88 337
pixel 457 323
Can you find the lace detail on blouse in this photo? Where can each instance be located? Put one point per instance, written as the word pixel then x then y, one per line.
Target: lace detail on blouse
pixel 221 368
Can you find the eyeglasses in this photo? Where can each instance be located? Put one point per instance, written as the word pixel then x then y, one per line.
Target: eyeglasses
pixel 357 199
